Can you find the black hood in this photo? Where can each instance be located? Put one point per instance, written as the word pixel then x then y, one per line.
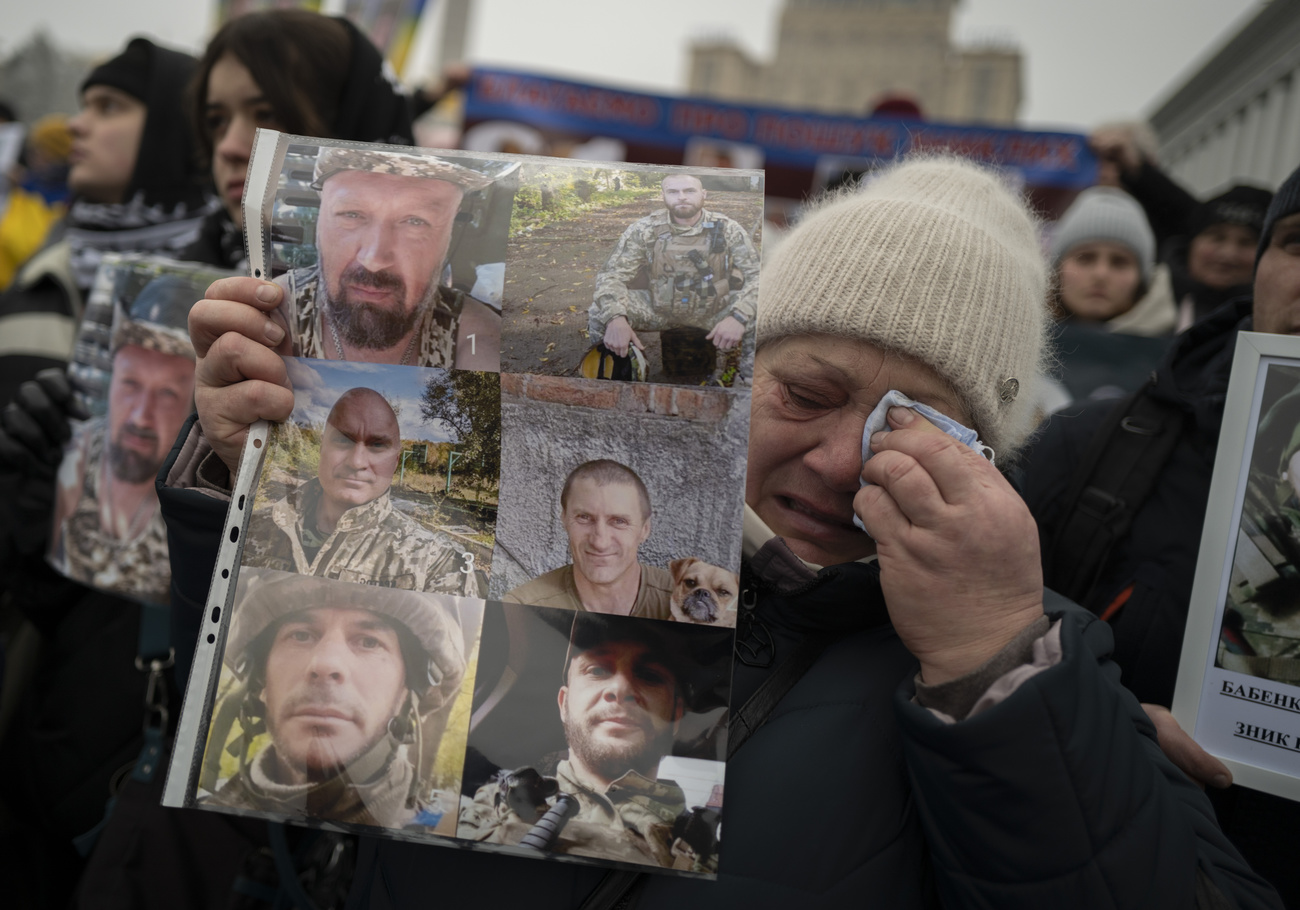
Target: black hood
pixel 166 169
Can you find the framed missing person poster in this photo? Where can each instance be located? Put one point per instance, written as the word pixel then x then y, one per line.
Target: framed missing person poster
pixel 480 588
pixel 1238 689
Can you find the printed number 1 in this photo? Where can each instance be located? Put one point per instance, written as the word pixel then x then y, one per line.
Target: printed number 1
pixel 472 344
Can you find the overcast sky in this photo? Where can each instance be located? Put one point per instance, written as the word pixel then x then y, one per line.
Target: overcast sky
pixel 1085 62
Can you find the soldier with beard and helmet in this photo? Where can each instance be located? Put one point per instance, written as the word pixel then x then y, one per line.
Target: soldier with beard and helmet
pixel 376 293
pixel 107 530
pixel 348 681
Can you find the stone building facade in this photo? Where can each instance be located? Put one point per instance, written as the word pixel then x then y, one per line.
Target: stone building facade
pixel 843 56
pixel 1237 118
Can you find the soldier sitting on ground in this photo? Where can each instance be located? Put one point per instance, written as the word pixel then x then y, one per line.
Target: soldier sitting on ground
pixel 701 272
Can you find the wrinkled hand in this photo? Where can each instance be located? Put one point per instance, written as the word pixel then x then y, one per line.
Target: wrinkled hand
pixel 957 546
pixel 726 334
pixel 1200 766
pixel 238 377
pixel 33 430
pixel 619 334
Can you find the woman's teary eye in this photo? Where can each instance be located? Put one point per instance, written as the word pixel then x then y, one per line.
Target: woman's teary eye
pixel 804 398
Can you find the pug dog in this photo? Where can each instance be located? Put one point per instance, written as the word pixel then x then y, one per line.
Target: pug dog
pixel 703 593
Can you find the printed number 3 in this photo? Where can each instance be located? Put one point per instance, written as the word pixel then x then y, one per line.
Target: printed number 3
pixel 468 557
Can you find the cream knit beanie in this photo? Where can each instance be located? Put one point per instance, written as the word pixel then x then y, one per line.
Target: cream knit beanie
pixel 935 259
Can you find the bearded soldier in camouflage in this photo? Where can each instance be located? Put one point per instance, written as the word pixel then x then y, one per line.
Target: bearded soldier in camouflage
pixel 375 293
pixel 682 267
pixel 622 697
pixel 108 531
pixel 353 685
pixel 343 525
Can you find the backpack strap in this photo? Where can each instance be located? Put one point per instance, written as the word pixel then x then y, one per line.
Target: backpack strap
pixel 1118 473
pixel 154 656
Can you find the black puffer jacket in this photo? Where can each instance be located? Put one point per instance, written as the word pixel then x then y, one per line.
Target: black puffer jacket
pixel 851 794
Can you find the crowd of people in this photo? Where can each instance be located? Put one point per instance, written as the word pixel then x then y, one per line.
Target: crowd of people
pixel 980 709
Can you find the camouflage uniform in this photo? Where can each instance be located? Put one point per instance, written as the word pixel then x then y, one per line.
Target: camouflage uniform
pixel 373 544
pixel 661 248
pixel 435 329
pixel 137 567
pixel 630 822
pixel 1262 627
pixel 557 589
pixel 379 786
pixel 354 796
pixel 1261 631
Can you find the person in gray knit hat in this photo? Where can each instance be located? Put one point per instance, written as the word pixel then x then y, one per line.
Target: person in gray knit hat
pixel 936 729
pixel 1114 306
pixel 1103 252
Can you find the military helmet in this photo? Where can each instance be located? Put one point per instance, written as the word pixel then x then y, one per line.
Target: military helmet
pixel 602 363
pixel 332 159
pixel 434 668
pixel 158 317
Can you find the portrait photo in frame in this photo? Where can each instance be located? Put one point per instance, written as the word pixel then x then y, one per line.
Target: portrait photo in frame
pixel 1238 689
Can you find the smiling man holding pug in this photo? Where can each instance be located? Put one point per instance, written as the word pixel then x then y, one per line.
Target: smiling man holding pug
pixel 605 510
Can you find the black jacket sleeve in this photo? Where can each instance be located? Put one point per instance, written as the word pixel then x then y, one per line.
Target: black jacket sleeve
pixel 1168 206
pixel 1059 796
pixel 194 525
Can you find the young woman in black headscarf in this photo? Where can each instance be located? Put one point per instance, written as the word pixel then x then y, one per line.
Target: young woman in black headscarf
pixel 289 70
pixel 137 187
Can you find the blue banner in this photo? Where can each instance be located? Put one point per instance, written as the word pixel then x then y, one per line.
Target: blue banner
pixel 787 138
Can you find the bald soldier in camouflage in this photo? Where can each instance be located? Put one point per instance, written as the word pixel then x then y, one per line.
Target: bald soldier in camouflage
pixel 1261 629
pixel 342 524
pixel 375 293
pixel 107 530
pixel 623 693
pixel 701 269
pixel 352 684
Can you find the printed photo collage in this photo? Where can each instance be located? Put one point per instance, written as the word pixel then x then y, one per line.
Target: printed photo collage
pixel 481 587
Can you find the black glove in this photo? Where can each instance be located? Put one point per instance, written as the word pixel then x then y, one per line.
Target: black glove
pixel 33 430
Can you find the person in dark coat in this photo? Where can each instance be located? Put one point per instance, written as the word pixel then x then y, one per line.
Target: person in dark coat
pixel 959 737
pixel 137 190
pixel 1144 586
pixel 1208 247
pixel 314 74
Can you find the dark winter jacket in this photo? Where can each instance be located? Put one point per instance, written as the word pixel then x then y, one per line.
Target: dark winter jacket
pixel 1158 556
pixel 851 793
